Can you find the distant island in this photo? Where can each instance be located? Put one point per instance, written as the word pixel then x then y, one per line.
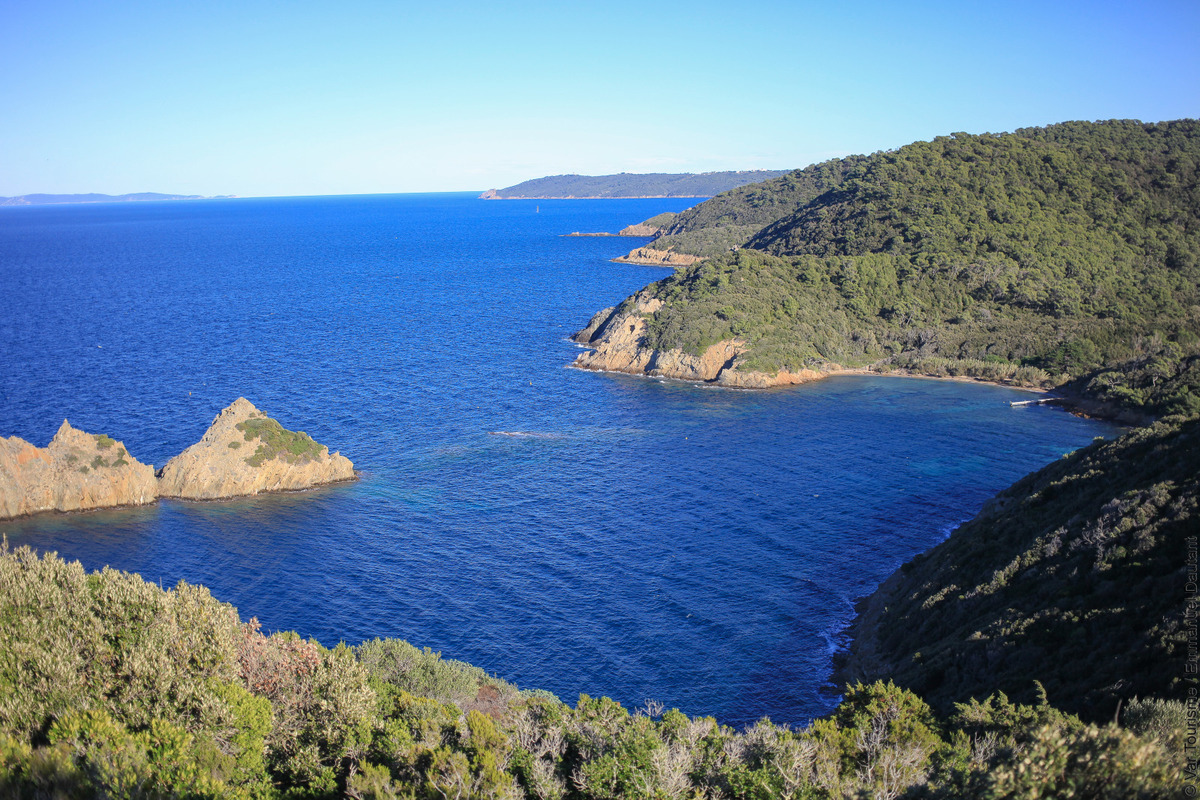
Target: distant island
pixel 60 199
pixel 629 184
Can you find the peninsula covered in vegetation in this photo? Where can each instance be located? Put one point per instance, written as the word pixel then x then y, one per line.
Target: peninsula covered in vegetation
pixel 1066 256
pixel 629 184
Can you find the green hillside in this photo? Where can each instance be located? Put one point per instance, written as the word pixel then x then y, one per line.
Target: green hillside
pixel 1067 255
pixel 1074 576
pixel 731 218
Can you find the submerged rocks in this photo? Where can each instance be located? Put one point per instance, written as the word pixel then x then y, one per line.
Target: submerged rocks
pixel 75 472
pixel 245 452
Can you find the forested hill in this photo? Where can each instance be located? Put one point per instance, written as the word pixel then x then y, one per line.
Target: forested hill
pixel 1074 576
pixel 1070 252
pixel 627 184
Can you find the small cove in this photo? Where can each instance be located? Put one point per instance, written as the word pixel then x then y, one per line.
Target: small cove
pixel 641 539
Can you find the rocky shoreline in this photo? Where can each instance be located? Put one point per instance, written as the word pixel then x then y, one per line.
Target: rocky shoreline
pixel 648 256
pixel 615 338
pixel 244 452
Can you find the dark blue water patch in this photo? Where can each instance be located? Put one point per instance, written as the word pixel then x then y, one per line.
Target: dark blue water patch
pixel 578 532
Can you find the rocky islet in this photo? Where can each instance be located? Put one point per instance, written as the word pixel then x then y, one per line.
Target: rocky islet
pixel 77 471
pixel 244 452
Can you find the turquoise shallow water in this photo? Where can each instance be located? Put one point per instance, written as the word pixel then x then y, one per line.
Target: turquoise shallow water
pixel 565 530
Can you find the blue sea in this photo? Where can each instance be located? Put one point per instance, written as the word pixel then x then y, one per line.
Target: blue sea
pixel 565 530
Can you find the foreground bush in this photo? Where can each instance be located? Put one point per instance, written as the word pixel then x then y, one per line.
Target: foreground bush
pixel 113 687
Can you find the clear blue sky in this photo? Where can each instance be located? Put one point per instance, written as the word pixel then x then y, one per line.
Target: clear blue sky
pixel 284 98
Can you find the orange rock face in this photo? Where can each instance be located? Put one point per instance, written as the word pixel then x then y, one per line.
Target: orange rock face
pixel 648 256
pixel 75 472
pixel 618 339
pixel 243 453
pixel 231 460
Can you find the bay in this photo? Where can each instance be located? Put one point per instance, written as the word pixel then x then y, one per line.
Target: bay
pixel 565 530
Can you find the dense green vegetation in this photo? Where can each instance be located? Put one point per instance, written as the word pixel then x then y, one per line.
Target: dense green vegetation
pixel 1067 255
pixel 1075 575
pixel 276 441
pixel 661 220
pixel 113 687
pixel 730 219
pixel 628 184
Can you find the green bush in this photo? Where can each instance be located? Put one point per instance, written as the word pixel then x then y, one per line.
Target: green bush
pixel 275 441
pixel 113 687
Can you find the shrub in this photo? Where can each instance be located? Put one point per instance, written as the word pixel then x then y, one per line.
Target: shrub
pixel 275 441
pixel 1098 763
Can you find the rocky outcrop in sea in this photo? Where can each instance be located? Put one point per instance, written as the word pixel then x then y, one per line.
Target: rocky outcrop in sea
pixel 77 471
pixel 245 452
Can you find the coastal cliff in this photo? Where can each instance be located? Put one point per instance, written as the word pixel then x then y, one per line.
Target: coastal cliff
pixel 650 257
pixel 639 229
pixel 655 226
pixel 618 336
pixel 75 472
pixel 245 452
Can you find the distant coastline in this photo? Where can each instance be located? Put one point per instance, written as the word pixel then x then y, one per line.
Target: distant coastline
pixel 491 194
pixel 629 185
pixel 66 199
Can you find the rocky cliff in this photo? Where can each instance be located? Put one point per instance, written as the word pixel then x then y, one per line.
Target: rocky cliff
pixel 618 336
pixel 640 229
pixel 245 452
pixel 655 226
pixel 656 258
pixel 75 472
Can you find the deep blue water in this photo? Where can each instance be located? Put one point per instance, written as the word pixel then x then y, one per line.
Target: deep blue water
pixel 565 530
